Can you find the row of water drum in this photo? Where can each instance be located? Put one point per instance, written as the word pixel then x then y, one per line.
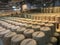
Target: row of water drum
pixel 27 34
pixel 30 21
pixel 45 16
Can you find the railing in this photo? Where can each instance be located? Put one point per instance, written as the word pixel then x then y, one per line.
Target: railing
pixel 44 16
pixel 50 10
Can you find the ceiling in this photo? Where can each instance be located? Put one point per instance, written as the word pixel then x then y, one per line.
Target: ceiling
pixel 5 1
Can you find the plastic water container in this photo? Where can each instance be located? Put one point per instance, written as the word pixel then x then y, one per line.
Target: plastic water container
pixel 14 28
pixel 16 40
pixel 28 42
pixel 55 23
pixel 36 27
pixel 41 24
pixel 2 33
pixel 28 33
pixel 28 26
pixel 8 26
pixel 47 32
pixel 39 37
pixel 57 35
pixel 49 44
pixel 2 29
pixel 46 21
pixel 52 27
pixel 53 40
pixel 23 24
pixel 21 30
pixel 59 26
pixel 7 38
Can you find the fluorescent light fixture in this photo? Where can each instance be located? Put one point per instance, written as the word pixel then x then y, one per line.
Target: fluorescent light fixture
pixel 44 4
pixel 14 9
pixel 13 6
pixel 17 9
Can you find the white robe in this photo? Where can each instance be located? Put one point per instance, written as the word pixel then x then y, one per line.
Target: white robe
pixel 25 7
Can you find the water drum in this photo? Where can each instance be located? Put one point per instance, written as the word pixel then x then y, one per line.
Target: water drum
pixel 2 19
pixel 16 23
pixel 43 18
pixel 54 22
pixel 24 20
pixel 4 25
pixel 14 28
pixel 47 32
pixel 28 19
pixel 52 18
pixel 33 21
pixel 46 21
pixel 28 42
pixel 23 25
pixel 9 26
pixel 48 18
pixel 28 33
pixel 59 26
pixel 19 21
pixel 21 30
pixel 57 35
pixel 58 19
pixel 41 24
pixel 1 29
pixel 13 22
pixel 29 22
pixel 49 44
pixel 16 40
pixel 39 21
pixel 0 24
pixel 52 27
pixel 2 33
pixel 19 24
pixel 39 37
pixel 9 21
pixel 7 38
pixel 28 26
pixel 53 40
pixel 36 27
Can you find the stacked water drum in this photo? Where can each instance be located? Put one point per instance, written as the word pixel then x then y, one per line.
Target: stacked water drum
pixel 29 32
